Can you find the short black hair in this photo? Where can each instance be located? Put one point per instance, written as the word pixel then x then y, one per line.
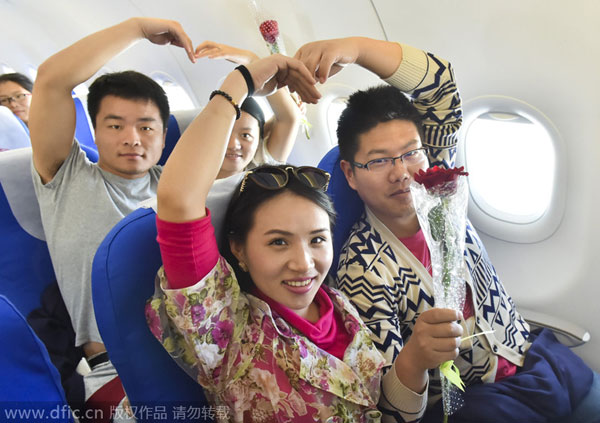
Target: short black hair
pixel 18 78
pixel 239 218
pixel 129 85
pixel 368 108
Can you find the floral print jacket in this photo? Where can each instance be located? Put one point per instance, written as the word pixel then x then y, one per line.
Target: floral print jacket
pixel 250 360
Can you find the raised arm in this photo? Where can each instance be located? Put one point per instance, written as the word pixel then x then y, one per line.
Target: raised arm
pixel 427 79
pixel 196 159
pixel 283 127
pixel 328 57
pixel 52 116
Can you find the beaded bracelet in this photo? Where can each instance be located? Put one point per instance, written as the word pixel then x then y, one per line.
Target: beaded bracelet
pixel 248 78
pixel 238 112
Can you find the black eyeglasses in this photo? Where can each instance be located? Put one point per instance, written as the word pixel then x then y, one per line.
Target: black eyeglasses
pixel 272 177
pixel 412 157
pixel 17 98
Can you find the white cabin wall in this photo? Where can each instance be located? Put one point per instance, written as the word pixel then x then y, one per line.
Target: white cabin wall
pixel 543 52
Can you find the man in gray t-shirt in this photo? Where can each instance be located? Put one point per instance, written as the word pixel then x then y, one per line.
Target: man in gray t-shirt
pixel 81 201
pixel 74 229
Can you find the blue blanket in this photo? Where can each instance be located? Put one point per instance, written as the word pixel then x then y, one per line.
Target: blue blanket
pixel 551 383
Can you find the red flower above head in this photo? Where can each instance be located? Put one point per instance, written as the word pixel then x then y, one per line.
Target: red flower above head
pixel 438 180
pixel 269 29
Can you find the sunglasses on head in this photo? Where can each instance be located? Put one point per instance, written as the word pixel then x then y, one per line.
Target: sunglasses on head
pixel 272 178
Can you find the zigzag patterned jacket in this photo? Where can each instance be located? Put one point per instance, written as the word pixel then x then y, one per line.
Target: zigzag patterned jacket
pixel 391 288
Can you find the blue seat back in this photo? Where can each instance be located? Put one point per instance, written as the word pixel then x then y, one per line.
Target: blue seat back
pixel 25 266
pixel 29 381
pixel 123 275
pixel 173 134
pixel 346 201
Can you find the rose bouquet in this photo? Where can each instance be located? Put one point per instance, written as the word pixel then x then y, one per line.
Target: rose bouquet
pixel 440 197
pixel 269 29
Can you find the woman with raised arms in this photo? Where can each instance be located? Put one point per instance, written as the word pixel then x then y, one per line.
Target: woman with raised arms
pixel 257 327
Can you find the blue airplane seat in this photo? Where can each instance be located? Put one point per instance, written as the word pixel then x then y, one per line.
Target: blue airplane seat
pixel 346 201
pixel 123 275
pixel 29 382
pixel 83 133
pixel 25 266
pixel 173 134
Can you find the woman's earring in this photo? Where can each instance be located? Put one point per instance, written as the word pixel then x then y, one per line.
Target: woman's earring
pixel 243 266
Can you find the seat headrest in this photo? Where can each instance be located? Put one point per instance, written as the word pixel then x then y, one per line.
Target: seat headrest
pixel 25 265
pixel 347 203
pixel 123 275
pixel 17 184
pixel 13 134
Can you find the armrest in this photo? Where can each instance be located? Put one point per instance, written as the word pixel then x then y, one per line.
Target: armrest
pixel 568 333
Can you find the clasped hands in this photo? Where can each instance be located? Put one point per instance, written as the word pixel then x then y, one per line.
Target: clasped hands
pixel 313 62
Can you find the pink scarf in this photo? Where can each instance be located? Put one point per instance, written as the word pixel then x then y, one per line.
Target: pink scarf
pixel 327 333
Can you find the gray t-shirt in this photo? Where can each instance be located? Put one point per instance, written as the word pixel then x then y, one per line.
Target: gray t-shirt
pixel 79 207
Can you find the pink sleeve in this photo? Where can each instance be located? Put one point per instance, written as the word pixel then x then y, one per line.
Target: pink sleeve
pixel 188 249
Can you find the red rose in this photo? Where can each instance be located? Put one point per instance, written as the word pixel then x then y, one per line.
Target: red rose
pixel 439 180
pixel 269 30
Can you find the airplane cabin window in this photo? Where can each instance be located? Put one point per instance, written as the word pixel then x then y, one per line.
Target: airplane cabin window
pixel 522 196
pixel 515 160
pixel 334 111
pixel 179 99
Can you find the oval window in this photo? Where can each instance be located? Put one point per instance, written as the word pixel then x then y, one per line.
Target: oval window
pixel 511 162
pixel 516 164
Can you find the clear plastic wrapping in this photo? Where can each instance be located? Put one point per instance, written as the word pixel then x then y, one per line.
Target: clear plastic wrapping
pixel 268 27
pixel 443 219
pixel 271 32
pixel 442 213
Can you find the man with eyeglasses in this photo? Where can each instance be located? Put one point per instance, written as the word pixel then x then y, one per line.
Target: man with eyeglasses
pixel 15 93
pixel 386 134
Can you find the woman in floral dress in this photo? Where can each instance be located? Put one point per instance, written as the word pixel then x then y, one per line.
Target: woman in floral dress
pixel 257 328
